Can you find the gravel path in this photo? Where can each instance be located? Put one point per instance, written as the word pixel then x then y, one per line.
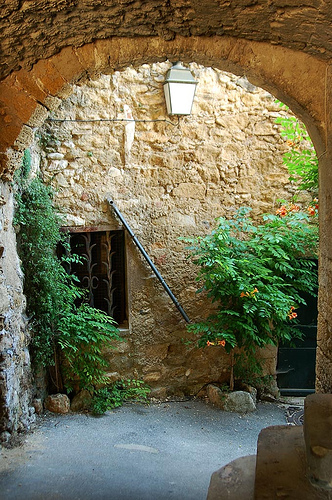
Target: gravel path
pixel 158 452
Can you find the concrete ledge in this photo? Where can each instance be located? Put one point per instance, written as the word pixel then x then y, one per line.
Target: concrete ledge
pixel 318 439
pixel 281 469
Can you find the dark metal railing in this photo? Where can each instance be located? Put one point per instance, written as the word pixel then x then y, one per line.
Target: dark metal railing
pixel 148 260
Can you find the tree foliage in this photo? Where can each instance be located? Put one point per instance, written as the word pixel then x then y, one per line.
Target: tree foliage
pixel 301 159
pixel 254 275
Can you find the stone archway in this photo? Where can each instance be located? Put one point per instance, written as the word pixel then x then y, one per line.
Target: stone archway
pixel 296 78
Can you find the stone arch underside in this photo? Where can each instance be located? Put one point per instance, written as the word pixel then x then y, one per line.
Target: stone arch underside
pixel 297 78
pixel 38 30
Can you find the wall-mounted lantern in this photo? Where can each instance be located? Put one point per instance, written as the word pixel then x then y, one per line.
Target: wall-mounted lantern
pixel 179 88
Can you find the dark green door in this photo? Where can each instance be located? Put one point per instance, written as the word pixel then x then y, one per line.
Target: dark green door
pixel 296 365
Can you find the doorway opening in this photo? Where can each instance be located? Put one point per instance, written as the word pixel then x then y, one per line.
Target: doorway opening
pixel 296 367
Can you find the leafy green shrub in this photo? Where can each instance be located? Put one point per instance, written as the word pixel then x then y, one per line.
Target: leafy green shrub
pixel 82 334
pixel 255 275
pixel 117 393
pixel 61 330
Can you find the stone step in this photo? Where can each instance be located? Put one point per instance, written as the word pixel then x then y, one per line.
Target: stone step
pixel 281 468
pixel 234 481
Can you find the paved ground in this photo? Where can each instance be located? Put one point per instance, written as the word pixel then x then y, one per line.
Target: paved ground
pixel 164 451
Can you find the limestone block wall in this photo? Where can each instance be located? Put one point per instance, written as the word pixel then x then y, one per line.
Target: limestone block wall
pixel 170 180
pixel 16 413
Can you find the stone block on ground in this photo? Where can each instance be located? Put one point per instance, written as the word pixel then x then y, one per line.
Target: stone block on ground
pixel 81 401
pixel 215 395
pixel 237 401
pixel 57 403
pixel 234 481
pixel 38 406
pixel 248 388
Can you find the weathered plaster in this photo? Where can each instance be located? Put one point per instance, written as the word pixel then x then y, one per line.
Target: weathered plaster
pixel 16 414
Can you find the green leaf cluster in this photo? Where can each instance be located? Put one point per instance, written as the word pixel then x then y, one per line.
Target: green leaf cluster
pixel 82 334
pixel 301 160
pixel 61 329
pixel 255 275
pixel 118 393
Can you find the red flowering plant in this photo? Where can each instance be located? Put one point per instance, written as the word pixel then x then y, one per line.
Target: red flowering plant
pixel 254 274
pixel 286 208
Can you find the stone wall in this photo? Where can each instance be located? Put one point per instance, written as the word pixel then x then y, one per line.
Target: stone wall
pixel 16 414
pixel 170 180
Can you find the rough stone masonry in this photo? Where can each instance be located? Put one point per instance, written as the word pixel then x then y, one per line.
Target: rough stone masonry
pixel 169 181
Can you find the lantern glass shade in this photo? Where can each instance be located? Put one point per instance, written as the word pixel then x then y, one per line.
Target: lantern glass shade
pixel 179 89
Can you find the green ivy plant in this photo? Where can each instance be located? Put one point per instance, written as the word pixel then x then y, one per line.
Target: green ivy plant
pixel 254 274
pixel 301 160
pixel 63 333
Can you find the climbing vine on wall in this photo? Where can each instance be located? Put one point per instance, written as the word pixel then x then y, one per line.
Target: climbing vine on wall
pixel 60 328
